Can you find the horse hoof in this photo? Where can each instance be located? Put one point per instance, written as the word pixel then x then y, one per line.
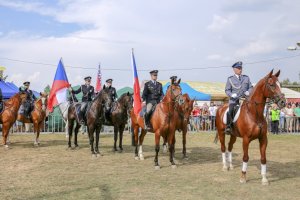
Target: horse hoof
pixel 114 149
pixel 225 168
pixel 136 158
pixel 142 157
pixel 174 166
pixel 120 150
pixel 6 146
pixel 242 180
pixel 157 167
pixel 264 182
pixel 231 167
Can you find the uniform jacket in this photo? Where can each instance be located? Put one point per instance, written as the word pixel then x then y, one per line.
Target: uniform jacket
pixel 87 91
pixel 113 93
pixel 30 95
pixel 153 93
pixel 239 87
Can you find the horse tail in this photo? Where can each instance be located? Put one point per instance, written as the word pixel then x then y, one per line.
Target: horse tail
pixel 216 138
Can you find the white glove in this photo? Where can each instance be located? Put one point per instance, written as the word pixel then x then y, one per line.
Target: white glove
pixel 247 93
pixel 234 95
pixel 70 89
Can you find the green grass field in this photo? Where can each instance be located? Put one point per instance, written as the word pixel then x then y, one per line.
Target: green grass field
pixel 52 172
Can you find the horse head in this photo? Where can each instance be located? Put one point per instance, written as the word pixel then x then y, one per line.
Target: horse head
pixel 174 92
pixel 187 107
pixel 44 100
pixel 106 98
pixel 23 96
pixel 273 89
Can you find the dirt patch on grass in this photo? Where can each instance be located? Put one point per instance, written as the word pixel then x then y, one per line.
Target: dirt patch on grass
pixel 52 172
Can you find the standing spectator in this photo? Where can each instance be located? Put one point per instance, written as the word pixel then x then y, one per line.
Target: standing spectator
pixel 281 120
pixel 212 115
pixel 289 113
pixel 297 114
pixel 196 117
pixel 275 114
pixel 205 115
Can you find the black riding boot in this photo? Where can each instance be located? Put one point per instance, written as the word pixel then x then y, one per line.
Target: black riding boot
pixel 229 124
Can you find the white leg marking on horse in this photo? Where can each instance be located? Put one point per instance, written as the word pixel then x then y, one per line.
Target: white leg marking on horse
pixel 264 179
pixel 141 152
pixel 225 168
pixel 230 160
pixel 244 167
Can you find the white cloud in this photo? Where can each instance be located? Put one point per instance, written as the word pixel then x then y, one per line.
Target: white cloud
pixel 35 77
pixel 257 47
pixel 219 23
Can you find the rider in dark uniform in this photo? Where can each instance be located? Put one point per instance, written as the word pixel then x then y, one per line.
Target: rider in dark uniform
pixel 114 97
pixel 112 90
pixel 152 95
pixel 29 103
pixel 237 86
pixel 87 95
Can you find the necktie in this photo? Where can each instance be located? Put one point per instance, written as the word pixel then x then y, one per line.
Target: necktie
pixel 239 78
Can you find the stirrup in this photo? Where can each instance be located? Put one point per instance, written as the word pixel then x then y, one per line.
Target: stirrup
pixel 228 130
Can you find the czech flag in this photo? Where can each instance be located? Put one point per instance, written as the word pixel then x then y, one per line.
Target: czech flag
pixel 137 103
pixel 60 85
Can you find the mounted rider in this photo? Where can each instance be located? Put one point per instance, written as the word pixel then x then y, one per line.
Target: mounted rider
pixel 114 97
pixel 28 105
pixel 237 86
pixel 87 96
pixel 152 95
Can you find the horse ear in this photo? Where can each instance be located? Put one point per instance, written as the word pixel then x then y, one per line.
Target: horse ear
pixel 41 93
pixel 109 87
pixel 178 82
pixel 277 74
pixel 104 87
pixel 271 73
pixel 128 94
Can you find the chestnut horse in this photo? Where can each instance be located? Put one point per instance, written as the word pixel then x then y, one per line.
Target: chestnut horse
pixel 183 114
pixel 251 123
pixel 119 117
pixel 10 113
pixel 163 123
pixel 38 116
pixel 94 117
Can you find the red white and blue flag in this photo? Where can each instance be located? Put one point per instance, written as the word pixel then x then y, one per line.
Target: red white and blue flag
pixel 98 80
pixel 137 103
pixel 60 85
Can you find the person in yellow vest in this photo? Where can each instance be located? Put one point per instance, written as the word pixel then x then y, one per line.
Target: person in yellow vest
pixel 275 115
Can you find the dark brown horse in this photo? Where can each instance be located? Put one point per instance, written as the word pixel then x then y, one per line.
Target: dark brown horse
pixel 94 118
pixel 10 113
pixel 163 123
pixel 251 123
pixel 119 117
pixel 38 115
pixel 182 113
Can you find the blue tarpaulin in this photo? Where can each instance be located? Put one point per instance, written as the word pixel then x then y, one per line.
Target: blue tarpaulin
pixel 7 91
pixel 193 94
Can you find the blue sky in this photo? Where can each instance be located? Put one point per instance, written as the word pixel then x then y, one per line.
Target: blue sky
pixel 176 37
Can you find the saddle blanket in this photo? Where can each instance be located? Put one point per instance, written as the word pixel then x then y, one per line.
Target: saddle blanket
pixel 236 116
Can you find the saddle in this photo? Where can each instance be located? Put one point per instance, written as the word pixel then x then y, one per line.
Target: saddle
pixel 143 111
pixel 77 106
pixel 236 113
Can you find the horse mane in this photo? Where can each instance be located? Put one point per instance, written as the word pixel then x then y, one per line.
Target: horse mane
pixel 100 94
pixel 11 99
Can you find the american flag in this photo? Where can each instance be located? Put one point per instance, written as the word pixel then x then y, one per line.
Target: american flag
pixel 98 81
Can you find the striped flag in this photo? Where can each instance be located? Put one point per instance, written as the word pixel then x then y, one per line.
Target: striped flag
pixel 98 80
pixel 137 103
pixel 60 85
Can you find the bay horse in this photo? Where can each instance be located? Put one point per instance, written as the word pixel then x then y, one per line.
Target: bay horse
pixel 37 116
pixel 119 117
pixel 251 123
pixel 9 115
pixel 94 118
pixel 163 124
pixel 182 113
